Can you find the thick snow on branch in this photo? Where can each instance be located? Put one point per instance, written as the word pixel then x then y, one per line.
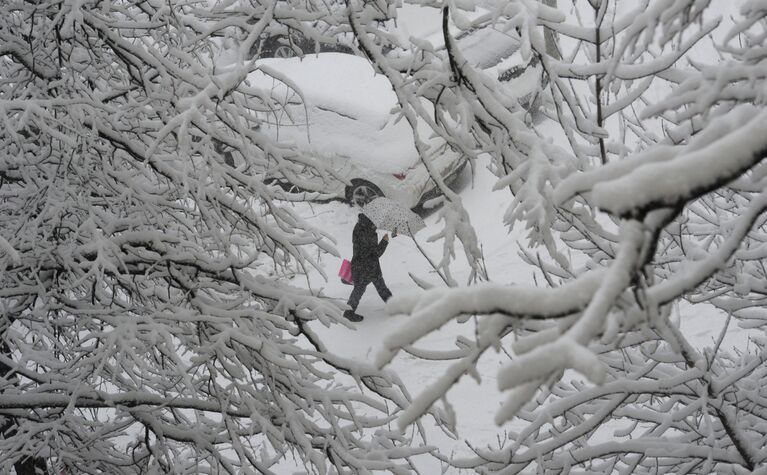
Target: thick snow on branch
pixel 436 307
pixel 676 181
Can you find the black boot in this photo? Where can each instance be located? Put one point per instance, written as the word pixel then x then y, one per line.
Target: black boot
pixel 352 317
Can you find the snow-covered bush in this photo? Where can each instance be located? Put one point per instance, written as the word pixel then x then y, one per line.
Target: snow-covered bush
pixel 143 324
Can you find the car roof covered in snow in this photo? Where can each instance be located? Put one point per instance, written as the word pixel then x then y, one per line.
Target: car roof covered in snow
pixel 344 110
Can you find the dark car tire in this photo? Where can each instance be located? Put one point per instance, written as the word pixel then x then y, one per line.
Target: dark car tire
pixel 278 47
pixel 283 51
pixel 361 192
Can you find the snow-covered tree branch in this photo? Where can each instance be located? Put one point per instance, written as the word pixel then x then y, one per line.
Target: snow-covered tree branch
pixel 657 200
pixel 143 322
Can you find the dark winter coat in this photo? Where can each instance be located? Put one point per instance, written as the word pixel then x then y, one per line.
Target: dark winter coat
pixel 367 250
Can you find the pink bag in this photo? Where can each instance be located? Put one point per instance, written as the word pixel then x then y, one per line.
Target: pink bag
pixel 345 272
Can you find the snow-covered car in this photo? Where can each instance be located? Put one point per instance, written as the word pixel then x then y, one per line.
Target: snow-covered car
pixel 344 116
pixel 522 78
pixel 483 47
pixel 491 48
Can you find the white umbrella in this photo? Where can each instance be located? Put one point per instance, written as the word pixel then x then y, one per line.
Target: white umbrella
pixel 389 215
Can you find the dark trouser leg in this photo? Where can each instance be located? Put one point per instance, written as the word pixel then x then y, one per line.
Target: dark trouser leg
pixel 354 298
pixel 381 288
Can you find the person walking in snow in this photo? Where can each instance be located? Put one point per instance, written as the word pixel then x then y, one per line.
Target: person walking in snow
pixel 365 266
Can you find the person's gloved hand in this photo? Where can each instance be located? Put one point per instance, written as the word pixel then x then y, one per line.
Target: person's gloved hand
pixel 386 237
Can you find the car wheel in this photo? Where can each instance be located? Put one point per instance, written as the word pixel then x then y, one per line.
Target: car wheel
pixel 283 51
pixel 361 193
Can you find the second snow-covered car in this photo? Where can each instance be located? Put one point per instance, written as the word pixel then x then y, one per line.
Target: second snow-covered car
pixel 346 116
